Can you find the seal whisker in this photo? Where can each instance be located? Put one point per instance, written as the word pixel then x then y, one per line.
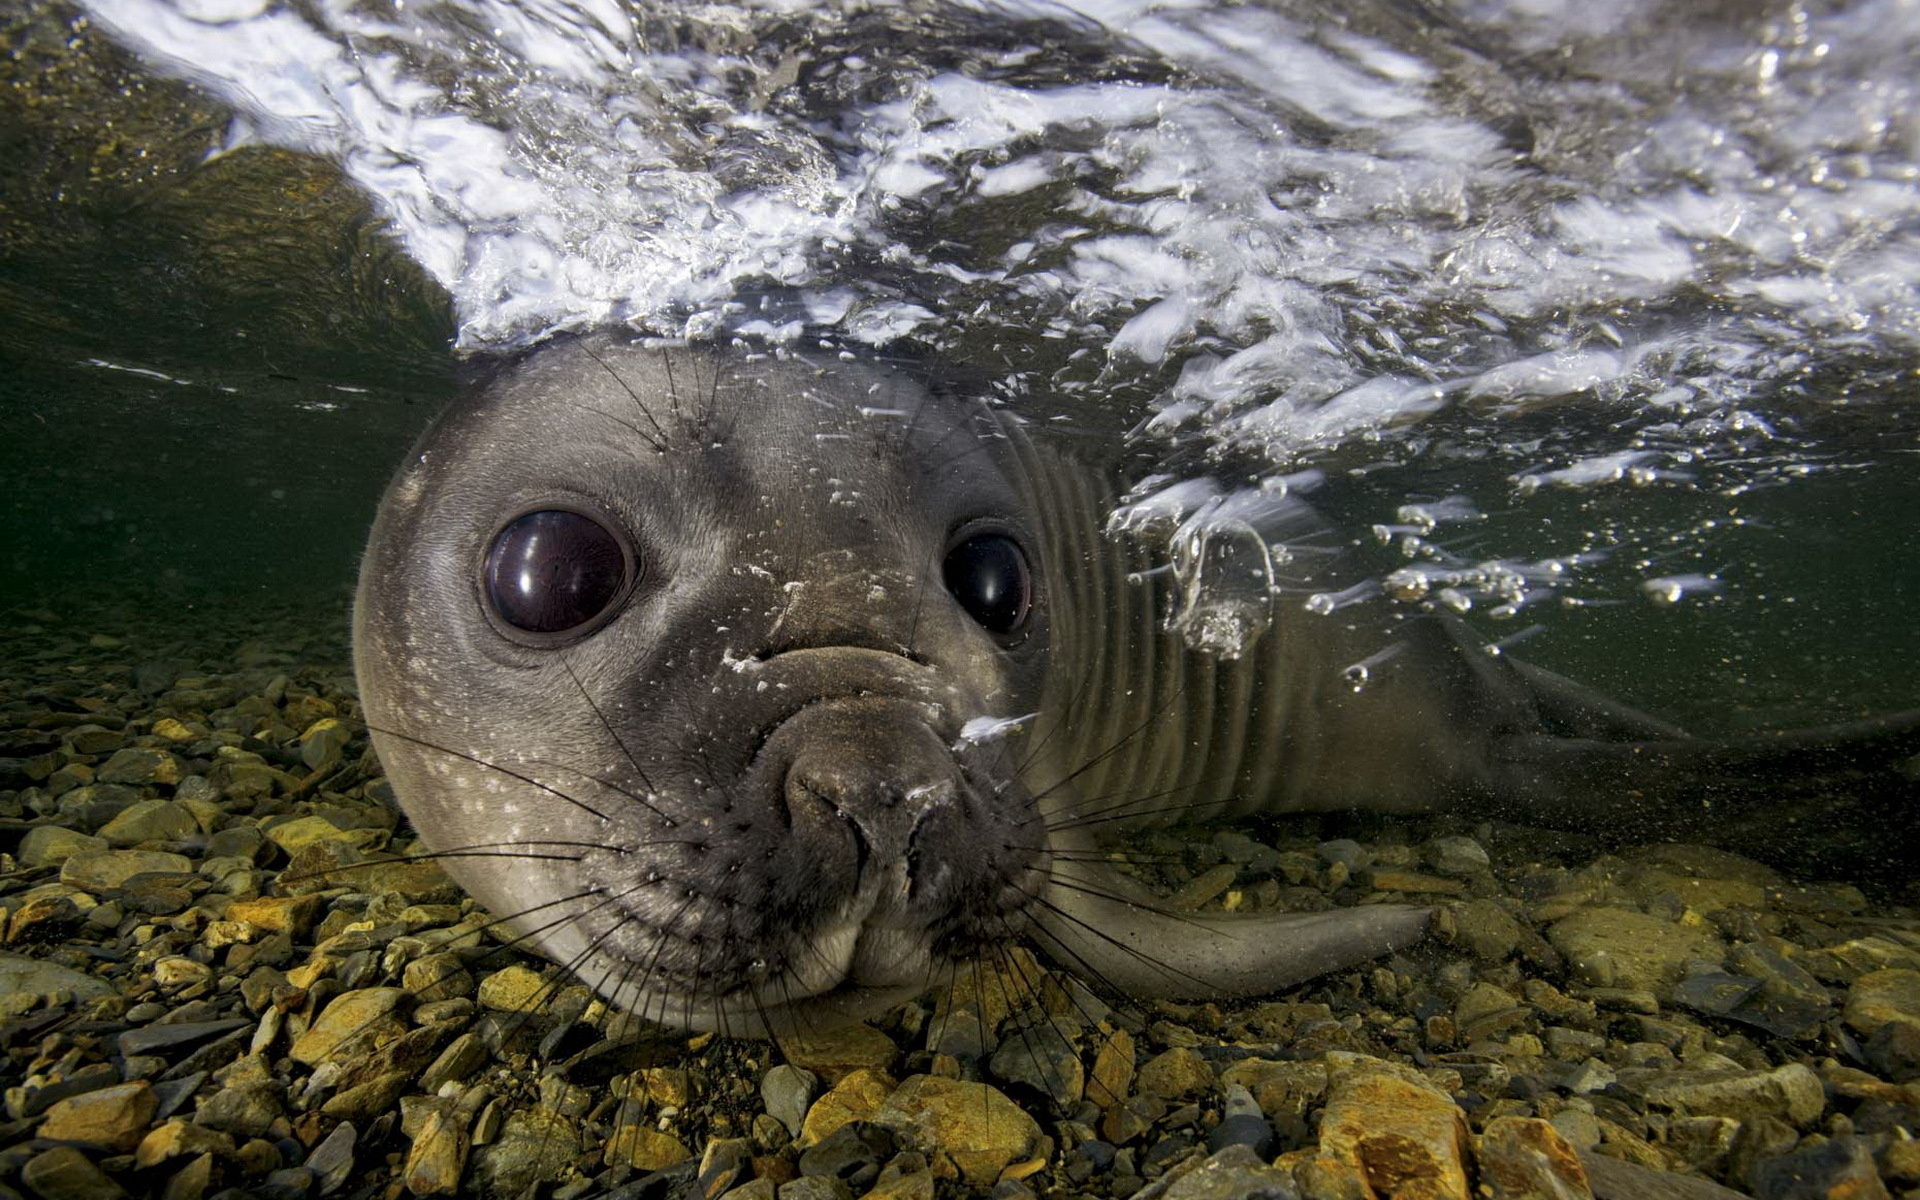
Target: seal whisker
pixel 1124 810
pixel 1120 945
pixel 664 439
pixel 613 733
pixel 509 772
pixel 1113 749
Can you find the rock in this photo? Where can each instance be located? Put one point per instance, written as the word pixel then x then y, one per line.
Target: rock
pixel 1282 1089
pixel 1176 1074
pixel 852 1154
pixel 971 1125
pixel 1793 1092
pixel 323 743
pixel 246 1110
pixel 1241 1124
pixel 52 845
pixel 1386 1128
pixel 724 1165
pixel 1232 1173
pixel 140 765
pixel 856 1098
pixel 515 989
pixel 833 1054
pixel 33 978
pixel 1523 1158
pixel 1039 1057
pixel 1882 997
pixel 534 1145
pixel 111 1118
pixel 1787 1000
pixel 1461 856
pixel 1841 1169
pixel 462 1057
pixel 110 869
pixel 1616 1179
pixel 63 1173
pixel 438 1153
pixel 785 1093
pixel 1486 930
pixel 180 1138
pixel 150 821
pixel 1615 947
pixel 1388 880
pixel 332 1160
pixel 1112 1076
pixel 277 914
pixel 353 1023
pixel 154 1038
pixel 644 1148
pixel 1196 892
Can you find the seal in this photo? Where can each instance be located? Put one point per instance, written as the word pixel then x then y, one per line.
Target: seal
pixel 757 690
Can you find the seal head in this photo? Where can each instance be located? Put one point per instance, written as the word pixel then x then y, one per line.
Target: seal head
pixel 677 661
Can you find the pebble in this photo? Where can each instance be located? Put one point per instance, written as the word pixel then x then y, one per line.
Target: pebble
pixel 64 1173
pixel 1387 1128
pixel 107 870
pixel 971 1125
pixel 1841 1169
pixel 833 1054
pixel 34 978
pixel 785 1093
pixel 856 1098
pixel 1454 855
pixel 354 1022
pixel 1793 1092
pixel 1524 1158
pixel 1620 948
pixel 110 1118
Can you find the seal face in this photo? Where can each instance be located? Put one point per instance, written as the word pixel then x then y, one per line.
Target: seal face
pixel 675 657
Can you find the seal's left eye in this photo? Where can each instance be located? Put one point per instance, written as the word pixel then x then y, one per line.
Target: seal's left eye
pixel 553 571
pixel 988 574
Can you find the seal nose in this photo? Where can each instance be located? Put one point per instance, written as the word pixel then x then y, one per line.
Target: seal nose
pixel 880 799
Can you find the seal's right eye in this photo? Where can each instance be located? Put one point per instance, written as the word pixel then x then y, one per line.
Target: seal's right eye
pixel 554 571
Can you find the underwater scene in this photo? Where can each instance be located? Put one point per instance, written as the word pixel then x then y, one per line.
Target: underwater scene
pixel 1111 598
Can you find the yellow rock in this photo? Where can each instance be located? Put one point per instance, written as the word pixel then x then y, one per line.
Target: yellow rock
pixel 644 1148
pixel 855 1098
pixel 1394 1132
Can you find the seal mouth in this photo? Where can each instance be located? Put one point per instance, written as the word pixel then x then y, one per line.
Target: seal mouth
pixel 860 845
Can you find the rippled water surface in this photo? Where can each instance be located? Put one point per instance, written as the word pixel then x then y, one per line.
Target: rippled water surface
pixel 1599 318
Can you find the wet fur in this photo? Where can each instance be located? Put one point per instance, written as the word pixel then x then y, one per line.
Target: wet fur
pixel 706 807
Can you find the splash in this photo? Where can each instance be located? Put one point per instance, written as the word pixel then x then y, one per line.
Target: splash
pixel 1316 238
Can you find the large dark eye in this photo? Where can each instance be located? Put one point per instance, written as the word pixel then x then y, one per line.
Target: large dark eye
pixel 989 576
pixel 554 570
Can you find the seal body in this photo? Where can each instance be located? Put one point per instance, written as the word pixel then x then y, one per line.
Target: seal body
pixel 756 690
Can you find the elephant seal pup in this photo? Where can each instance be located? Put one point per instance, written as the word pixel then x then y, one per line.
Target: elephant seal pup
pixel 757 690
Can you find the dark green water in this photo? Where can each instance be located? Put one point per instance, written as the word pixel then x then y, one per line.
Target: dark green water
pixel 209 366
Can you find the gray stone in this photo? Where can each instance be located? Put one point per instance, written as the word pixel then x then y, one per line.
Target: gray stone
pixel 1620 948
pixel 1459 856
pixel 23 976
pixel 51 845
pixel 1232 1173
pixel 140 765
pixel 785 1092
pixel 64 1173
pixel 242 1109
pixel 150 821
pixel 111 869
pixel 1842 1167
pixel 1040 1057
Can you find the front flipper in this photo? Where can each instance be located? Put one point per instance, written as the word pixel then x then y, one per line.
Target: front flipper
pixel 1094 921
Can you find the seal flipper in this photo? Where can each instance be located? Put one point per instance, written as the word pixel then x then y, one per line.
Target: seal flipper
pixel 1097 922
